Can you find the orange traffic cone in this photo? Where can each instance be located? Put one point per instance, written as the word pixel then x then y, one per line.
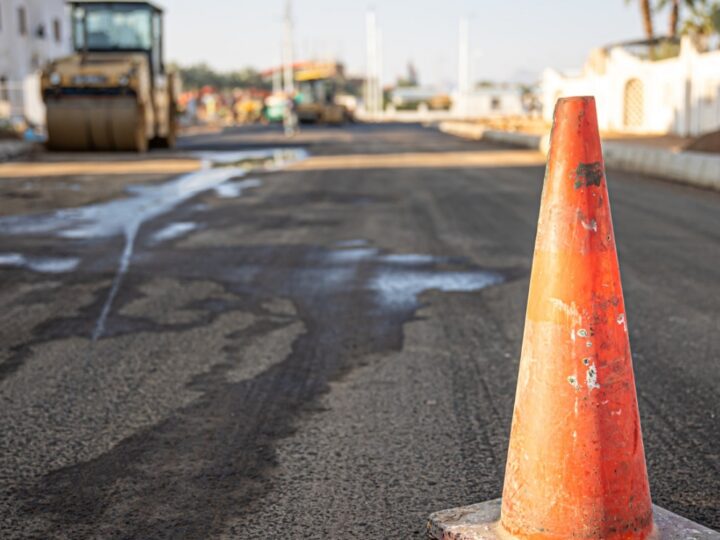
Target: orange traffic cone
pixel 575 466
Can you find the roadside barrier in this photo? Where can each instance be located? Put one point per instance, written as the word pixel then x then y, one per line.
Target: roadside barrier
pixel 576 465
pixel 700 169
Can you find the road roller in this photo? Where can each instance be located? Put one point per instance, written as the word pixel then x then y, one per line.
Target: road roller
pixel 114 91
pixel 317 88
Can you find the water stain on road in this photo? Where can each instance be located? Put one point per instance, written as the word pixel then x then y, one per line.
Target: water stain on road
pixel 219 451
pixel 174 230
pixel 351 298
pixel 51 265
pixel 127 215
pixel 231 190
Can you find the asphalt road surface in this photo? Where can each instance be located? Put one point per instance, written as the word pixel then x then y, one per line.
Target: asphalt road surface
pixel 316 339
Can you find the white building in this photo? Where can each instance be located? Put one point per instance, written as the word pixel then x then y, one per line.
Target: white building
pixel 634 94
pixel 32 32
pixel 495 101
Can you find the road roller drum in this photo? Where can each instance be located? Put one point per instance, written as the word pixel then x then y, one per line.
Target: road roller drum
pixel 96 124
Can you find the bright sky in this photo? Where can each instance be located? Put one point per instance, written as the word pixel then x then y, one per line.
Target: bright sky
pixel 510 40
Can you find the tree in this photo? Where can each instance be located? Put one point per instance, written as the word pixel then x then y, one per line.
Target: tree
pixel 411 80
pixel 704 18
pixel 199 75
pixel 674 18
pixel 647 13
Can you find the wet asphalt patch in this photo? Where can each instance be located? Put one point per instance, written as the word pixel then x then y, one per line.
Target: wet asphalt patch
pixel 352 302
pixel 218 452
pixel 125 216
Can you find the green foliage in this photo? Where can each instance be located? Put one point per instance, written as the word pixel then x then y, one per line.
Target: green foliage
pixel 402 82
pixel 199 75
pixel 665 50
pixel 703 18
pixel 697 16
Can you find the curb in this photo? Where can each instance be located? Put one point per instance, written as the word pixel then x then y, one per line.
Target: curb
pixel 693 168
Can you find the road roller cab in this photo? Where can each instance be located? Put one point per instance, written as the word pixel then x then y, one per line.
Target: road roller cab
pixel 113 92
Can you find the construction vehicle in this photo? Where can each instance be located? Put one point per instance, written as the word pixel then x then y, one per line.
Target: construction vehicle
pixel 318 84
pixel 113 92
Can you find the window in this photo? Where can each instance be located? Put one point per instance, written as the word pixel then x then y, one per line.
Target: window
pixel 57 30
pixel 156 43
pixel 112 27
pixel 22 21
pixel 634 104
pixel 78 28
pixel 495 103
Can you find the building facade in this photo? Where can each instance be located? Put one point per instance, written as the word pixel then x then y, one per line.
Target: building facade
pixel 491 102
pixel 634 94
pixel 32 32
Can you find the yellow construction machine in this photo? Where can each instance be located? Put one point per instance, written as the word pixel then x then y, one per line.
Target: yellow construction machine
pixel 113 92
pixel 317 88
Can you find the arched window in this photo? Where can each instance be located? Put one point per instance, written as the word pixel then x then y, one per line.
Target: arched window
pixel 634 104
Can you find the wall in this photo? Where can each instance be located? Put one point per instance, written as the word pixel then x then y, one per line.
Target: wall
pixel 680 95
pixel 488 103
pixel 22 56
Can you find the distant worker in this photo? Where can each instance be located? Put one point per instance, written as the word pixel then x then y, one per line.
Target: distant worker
pixel 290 118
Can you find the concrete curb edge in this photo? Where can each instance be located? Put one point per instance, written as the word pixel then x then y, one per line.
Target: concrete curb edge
pixel 693 168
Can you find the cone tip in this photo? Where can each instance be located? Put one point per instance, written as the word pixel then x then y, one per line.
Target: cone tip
pixel 576 99
pixel 574 105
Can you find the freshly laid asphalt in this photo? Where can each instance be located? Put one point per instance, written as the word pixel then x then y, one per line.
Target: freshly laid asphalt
pixel 325 348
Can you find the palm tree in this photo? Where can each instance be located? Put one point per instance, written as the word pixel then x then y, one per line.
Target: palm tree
pixel 674 13
pixel 646 11
pixel 704 17
pixel 674 17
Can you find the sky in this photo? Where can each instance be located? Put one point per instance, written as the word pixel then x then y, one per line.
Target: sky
pixel 509 40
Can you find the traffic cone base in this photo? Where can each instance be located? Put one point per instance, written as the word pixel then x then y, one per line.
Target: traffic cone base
pixel 482 522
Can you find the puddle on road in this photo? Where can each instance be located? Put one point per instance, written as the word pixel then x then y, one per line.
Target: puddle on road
pixel 231 190
pixel 398 278
pixel 400 288
pixel 393 281
pixel 352 255
pixel 126 216
pixel 268 160
pixel 174 230
pixel 412 258
pixel 353 242
pixel 50 265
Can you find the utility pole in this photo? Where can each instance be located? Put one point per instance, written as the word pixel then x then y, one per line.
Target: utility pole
pixel 288 60
pixel 370 62
pixel 378 74
pixel 277 75
pixel 373 90
pixel 463 67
